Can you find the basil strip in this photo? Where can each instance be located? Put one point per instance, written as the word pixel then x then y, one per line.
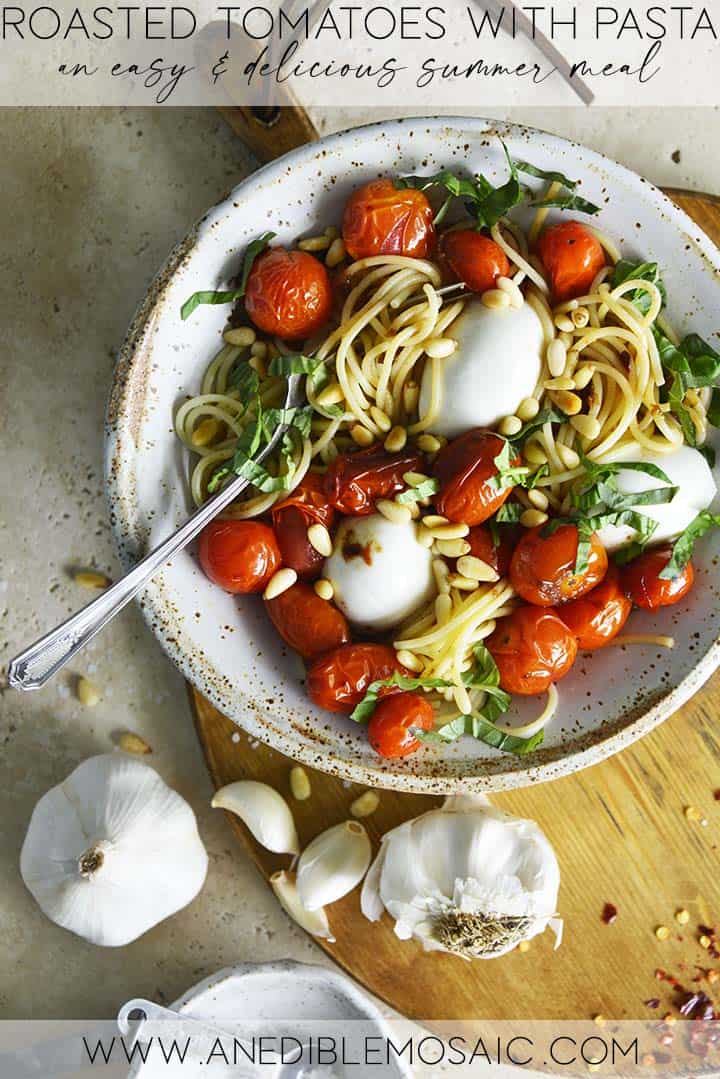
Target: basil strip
pixel 627 270
pixel 568 202
pixel 485 732
pixel 423 490
pixel 684 545
pixel 545 174
pixel 213 296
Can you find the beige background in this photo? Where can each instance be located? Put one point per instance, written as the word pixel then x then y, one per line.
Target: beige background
pixel 92 200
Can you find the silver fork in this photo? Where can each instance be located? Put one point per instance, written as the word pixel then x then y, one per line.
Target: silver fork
pixel 32 668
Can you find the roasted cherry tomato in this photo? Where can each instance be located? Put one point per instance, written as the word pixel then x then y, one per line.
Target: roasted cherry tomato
pixel 464 469
pixel 380 219
pixel 542 569
pixel 288 294
pixel 355 481
pixel 532 648
pixel 473 258
pixel 391 727
pixel 483 546
pixel 307 505
pixel 307 623
pixel 339 680
pixel 600 615
pixel 240 556
pixel 573 258
pixel 642 583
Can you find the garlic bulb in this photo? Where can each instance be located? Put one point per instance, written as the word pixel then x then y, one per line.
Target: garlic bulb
pixel 466 879
pixel 264 811
pixel 314 922
pixel 112 851
pixel 333 864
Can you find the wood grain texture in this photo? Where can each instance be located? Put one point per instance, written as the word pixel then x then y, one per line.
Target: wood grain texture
pixel 619 830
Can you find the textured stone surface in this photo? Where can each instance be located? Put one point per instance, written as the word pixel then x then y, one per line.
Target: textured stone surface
pixel 92 202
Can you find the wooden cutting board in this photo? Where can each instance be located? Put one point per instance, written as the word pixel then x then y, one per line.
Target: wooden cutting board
pixel 620 830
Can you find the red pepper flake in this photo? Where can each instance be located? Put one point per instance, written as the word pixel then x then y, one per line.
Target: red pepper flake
pixel 716 796
pixel 609 914
pixel 697 1006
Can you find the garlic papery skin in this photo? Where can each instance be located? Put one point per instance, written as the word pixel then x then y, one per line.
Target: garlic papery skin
pixel 314 922
pixel 466 879
pixel 333 864
pixel 112 851
pixel 265 813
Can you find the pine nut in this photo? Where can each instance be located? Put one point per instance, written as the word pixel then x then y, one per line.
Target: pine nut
pixel 564 323
pixel 561 383
pixel 506 284
pixel 414 510
pixel 583 376
pixel 510 426
pixel 580 317
pixel 133 743
pixel 365 805
pixel 205 432
pixel 319 538
pixel 259 350
pixel 279 583
pixel 91 579
pixel 534 454
pixel 538 499
pixel 495 299
pixel 462 700
pixel 439 348
pixel 332 233
pixel 452 548
pixel 361 436
pixel 566 339
pixel 434 519
pixel 476 569
pixel 425 538
pixel 336 253
pixel 569 402
pixel 411 396
pixel 86 692
pixel 533 519
pixel 300 784
pixel 381 418
pixel 429 444
pixel 443 608
pixel 396 440
pixel 414 479
pixel 568 456
pixel 528 408
pixel 463 584
pixel 315 243
pixel 324 589
pixel 240 336
pixel 409 660
pixel 450 531
pixel 258 365
pixel 331 395
pixel 441 574
pixel 556 358
pixel 586 426
pixel 393 511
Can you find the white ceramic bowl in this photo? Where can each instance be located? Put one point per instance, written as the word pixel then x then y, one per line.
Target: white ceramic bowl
pixel 227 648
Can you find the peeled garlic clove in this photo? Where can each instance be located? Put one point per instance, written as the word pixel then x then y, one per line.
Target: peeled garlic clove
pixel 264 811
pixel 333 864
pixel 314 922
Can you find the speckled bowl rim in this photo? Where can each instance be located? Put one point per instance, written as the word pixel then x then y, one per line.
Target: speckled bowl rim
pixel 160 618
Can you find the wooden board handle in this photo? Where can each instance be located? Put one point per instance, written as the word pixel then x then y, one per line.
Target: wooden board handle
pixel 270 131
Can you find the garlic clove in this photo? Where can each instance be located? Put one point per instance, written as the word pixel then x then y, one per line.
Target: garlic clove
pixel 314 922
pixel 263 811
pixel 370 902
pixel 333 864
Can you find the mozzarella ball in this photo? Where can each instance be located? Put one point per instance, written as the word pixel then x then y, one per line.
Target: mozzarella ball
pixel 379 571
pixel 687 469
pixel 497 363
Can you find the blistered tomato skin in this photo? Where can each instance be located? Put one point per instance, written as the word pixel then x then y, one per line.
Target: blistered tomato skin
pixel 483 546
pixel 308 624
pixel 597 618
pixel 532 648
pixel 288 294
pixel 390 731
pixel 474 259
pixel 381 219
pixel 355 481
pixel 464 470
pixel 307 505
pixel 339 680
pixel 573 258
pixel 239 556
pixel 542 569
pixel 642 583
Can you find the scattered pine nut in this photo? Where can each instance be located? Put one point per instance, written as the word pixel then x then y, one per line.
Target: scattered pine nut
pixel 447 531
pixel 332 232
pixel 561 383
pixel 409 660
pixel 580 317
pixel 534 454
pixel 396 440
pixel 414 479
pixel 506 284
pixel 429 444
pixel 692 813
pixel 331 395
pixel 533 518
pixel 524 946
pixel 279 583
pixel 583 376
pixel 434 519
pixel 324 589
pixel 510 425
pixel 300 784
pixel 393 511
pixel 682 917
pixel 336 253
pixel 133 743
pixel 462 699
pixel 319 538
pixel 439 348
pixel 424 537
pixel 599 1020
pixel 495 299
pixel 205 432
pixel 569 402
pixel 365 804
pixel 567 455
pixel 411 396
pixel 475 569
pixel 443 608
pixel 538 499
pixel 240 336
pixel 556 358
pixel 315 243
pixel 452 548
pixel 704 941
pixel 361 436
pixel 381 418
pixel 586 426
pixel 87 694
pixel 259 350
pixel 91 579
pixel 528 408
pixel 662 932
pixel 564 323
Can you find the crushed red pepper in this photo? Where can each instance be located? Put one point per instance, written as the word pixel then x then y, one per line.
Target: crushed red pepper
pixel 609 914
